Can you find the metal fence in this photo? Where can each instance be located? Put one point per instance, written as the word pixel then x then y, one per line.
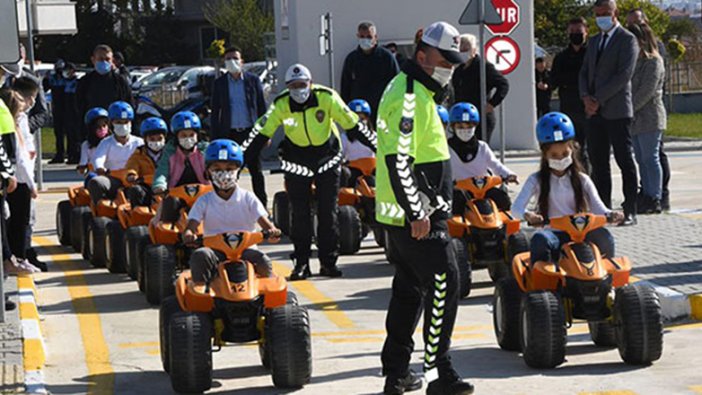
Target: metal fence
pixel 685 77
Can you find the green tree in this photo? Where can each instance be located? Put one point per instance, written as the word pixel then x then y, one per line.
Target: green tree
pixel 657 18
pixel 683 27
pixel 551 18
pixel 246 23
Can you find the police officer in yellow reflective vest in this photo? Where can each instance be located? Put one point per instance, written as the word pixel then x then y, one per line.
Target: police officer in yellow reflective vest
pixel 311 152
pixel 413 200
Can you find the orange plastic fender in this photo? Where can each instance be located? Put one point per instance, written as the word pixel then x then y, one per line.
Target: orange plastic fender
pixel 620 269
pixel 491 221
pixel 274 291
pixel 348 197
pixel 457 226
pixel 365 165
pixel 191 296
pixel 595 270
pixel 512 224
pixel 78 196
pixel 520 268
pixel 545 276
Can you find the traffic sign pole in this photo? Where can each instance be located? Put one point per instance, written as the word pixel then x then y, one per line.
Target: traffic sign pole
pixel 483 66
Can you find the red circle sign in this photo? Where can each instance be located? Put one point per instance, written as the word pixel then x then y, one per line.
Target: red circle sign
pixel 509 12
pixel 503 53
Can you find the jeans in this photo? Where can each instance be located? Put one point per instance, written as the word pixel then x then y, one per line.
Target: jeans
pixel 546 244
pixel 647 151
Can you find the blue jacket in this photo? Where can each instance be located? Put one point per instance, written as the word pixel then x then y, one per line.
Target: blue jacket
pixel 221 112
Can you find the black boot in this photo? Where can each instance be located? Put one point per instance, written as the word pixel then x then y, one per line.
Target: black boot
pixel 450 383
pixel 665 202
pixel 398 386
pixel 329 269
pixel 301 270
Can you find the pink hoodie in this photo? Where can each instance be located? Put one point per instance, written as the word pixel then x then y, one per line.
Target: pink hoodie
pixel 177 166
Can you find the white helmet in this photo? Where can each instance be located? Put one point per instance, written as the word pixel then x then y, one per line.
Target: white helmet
pixel 297 72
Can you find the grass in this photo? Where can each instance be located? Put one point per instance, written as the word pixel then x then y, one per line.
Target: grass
pixel 679 125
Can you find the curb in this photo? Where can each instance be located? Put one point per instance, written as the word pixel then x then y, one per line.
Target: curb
pixel 675 305
pixel 34 348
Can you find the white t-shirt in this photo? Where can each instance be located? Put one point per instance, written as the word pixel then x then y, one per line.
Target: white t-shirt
pixel 112 155
pixel 29 139
pixel 355 149
pixel 561 199
pixel 86 154
pixel 25 165
pixel 484 160
pixel 238 214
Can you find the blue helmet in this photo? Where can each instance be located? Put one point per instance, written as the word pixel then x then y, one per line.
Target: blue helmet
pixel 185 120
pixel 360 105
pixel 120 110
pixel 443 114
pixel 554 127
pixel 95 113
pixel 153 125
pixel 465 112
pixel 224 150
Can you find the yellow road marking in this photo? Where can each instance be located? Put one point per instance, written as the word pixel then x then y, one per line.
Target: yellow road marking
pixel 138 345
pixel 684 326
pixel 696 306
pixel 696 389
pixel 307 289
pixel 459 336
pixel 154 351
pixel 97 354
pixel 356 340
pixel 618 392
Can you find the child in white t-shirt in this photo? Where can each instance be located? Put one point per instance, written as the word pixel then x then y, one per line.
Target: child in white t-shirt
pixel 227 209
pixel 354 149
pixel 97 122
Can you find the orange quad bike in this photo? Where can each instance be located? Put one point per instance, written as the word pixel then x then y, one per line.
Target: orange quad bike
pixel 98 221
pixel 166 256
pixel 357 209
pixel 69 217
pixel 484 235
pixel 129 233
pixel 533 310
pixel 233 306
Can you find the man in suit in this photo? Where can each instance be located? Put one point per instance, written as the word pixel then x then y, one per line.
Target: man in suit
pixel 237 103
pixel 605 88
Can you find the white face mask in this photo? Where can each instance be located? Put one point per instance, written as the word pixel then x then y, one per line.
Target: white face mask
pixel 187 143
pixel 365 43
pixel 156 146
pixel 465 134
pixel 300 95
pixel 224 179
pixel 233 66
pixel 605 23
pixel 122 129
pixel 560 164
pixel 442 75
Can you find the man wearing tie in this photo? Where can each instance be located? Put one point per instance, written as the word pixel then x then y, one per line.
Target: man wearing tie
pixel 605 87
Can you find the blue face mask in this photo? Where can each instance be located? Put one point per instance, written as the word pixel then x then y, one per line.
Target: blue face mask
pixel 103 67
pixel 605 23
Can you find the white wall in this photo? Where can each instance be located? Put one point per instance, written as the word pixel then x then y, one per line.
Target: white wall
pixel 398 21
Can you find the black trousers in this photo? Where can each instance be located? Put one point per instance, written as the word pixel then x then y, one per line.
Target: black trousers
pixel 497 195
pixel 573 107
pixel 20 207
pixel 490 123
pixel 603 134
pixel 327 198
pixel 139 195
pixel 6 252
pixel 426 280
pixel 665 165
pixel 59 130
pixel 252 161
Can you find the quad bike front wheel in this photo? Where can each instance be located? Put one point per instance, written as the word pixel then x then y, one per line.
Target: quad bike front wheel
pixel 505 313
pixel 543 331
pixel 379 236
pixel 160 263
pixel 639 324
pixel 288 341
pixel 465 271
pixel 351 230
pixel 63 222
pixel 97 241
pixel 77 229
pixel 135 240
pixel 281 212
pixel 602 333
pixel 115 247
pixel 169 308
pixel 190 352
pixel 87 219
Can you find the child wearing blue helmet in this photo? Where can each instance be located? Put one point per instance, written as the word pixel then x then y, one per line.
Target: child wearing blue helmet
pixel 471 157
pixel 97 121
pixel 444 116
pixel 113 152
pixel 352 148
pixel 144 159
pixel 561 188
pixel 227 209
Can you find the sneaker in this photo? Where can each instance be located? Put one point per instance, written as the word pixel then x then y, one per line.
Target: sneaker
pixel 450 383
pixel 34 260
pixel 9 305
pixel 398 386
pixel 56 160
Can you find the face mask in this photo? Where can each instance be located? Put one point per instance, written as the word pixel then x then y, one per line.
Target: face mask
pixel 187 143
pixel 233 66
pixel 300 95
pixel 577 38
pixel 102 132
pixel 560 164
pixel 122 129
pixel 156 146
pixel 103 67
pixel 442 75
pixel 465 134
pixel 605 23
pixel 365 43
pixel 224 179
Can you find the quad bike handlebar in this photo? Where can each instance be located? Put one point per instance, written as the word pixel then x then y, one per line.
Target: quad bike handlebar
pixel 577 225
pixel 478 186
pixel 365 165
pixel 232 245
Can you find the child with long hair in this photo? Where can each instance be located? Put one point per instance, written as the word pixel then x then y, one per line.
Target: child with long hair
pixel 561 188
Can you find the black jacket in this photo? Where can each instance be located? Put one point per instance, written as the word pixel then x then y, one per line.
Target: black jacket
pixel 466 83
pixel 95 90
pixel 564 77
pixel 221 112
pixel 366 76
pixel 39 114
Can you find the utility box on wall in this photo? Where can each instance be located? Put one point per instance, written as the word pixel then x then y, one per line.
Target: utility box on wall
pixel 297 29
pixel 48 17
